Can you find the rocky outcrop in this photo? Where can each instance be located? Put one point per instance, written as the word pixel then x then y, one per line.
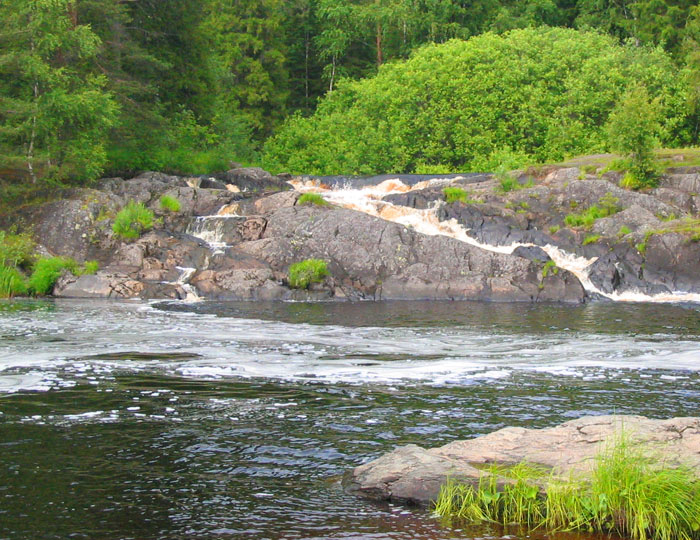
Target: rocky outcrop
pixel 414 474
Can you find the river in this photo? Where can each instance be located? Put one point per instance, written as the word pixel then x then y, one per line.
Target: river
pixel 211 420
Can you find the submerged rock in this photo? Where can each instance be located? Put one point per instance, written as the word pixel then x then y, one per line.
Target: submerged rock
pixel 413 474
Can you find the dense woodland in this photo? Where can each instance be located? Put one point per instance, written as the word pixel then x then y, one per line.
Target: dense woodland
pixel 95 87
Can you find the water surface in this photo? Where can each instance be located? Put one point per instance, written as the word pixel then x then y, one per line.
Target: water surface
pixel 134 420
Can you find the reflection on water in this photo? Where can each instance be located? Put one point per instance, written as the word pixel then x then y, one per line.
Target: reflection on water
pixel 119 435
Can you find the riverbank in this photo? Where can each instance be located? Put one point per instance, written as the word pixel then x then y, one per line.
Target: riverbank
pixel 561 234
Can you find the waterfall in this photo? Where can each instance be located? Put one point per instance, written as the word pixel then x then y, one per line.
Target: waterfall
pixel 368 199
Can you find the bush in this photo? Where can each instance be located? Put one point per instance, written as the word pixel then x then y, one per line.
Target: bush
pixel 132 220
pixel 632 129
pixel 170 204
pixel 539 94
pixel 304 273
pixel 47 271
pixel 312 198
pixel 11 282
pixel 15 249
pixel 628 494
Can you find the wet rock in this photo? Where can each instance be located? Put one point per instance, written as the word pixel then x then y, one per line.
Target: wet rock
pixel 372 258
pixel 207 182
pixel 414 474
pixel 252 179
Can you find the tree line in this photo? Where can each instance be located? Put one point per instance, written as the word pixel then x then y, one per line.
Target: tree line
pixel 92 87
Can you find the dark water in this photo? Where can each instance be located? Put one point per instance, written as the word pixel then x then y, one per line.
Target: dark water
pixel 237 421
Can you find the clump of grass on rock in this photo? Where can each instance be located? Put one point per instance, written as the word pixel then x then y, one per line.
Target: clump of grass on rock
pixel 132 221
pixel 304 273
pixel 48 270
pixel 628 493
pixel 169 204
pixel 456 194
pixel 312 198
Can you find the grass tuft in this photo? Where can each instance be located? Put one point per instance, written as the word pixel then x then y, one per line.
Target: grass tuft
pixel 11 282
pixel 132 220
pixel 16 249
pixel 48 270
pixel 312 198
pixel 607 206
pixel 456 194
pixel 169 204
pixel 591 239
pixel 628 494
pixel 304 273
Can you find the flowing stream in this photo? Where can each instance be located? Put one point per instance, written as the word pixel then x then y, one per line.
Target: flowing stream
pixel 367 199
pixel 234 420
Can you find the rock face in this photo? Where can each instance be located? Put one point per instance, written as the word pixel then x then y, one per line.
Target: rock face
pixel 237 232
pixel 414 474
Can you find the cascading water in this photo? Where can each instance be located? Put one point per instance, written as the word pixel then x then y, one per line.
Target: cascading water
pixel 368 199
pixel 216 230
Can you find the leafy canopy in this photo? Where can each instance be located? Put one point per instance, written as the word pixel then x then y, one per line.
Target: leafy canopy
pixel 532 95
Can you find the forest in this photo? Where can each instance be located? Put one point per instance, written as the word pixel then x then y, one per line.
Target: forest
pixel 92 88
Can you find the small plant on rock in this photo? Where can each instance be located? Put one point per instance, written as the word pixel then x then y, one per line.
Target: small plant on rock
pixel 304 273
pixel 169 204
pixel 312 198
pixel 133 220
pixel 454 194
pixel 48 270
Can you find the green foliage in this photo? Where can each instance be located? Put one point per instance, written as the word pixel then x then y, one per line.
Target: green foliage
pixel 312 198
pixel 628 494
pixel 11 282
pixel 554 229
pixel 16 249
pixel 632 128
pixel 90 268
pixel 607 206
pixel 624 231
pixel 47 271
pixel 549 267
pixel 543 93
pixel 132 221
pixel 170 204
pixel 456 194
pixel 304 273
pixel 56 112
pixel 591 239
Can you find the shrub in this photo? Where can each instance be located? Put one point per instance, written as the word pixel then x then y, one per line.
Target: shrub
pixel 312 198
pixel 132 220
pixel 304 273
pixel 632 130
pixel 627 494
pixel 15 249
pixel 170 204
pixel 541 93
pixel 455 194
pixel 90 267
pixel 11 282
pixel 47 271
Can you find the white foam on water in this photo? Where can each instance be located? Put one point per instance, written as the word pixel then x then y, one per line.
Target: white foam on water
pixel 425 221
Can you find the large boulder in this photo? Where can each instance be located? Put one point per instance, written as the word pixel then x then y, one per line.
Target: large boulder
pixel 414 474
pixel 372 258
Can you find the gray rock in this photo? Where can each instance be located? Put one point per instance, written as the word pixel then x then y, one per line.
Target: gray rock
pixel 414 474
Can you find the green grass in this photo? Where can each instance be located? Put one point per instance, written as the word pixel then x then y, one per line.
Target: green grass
pixel 304 273
pixel 507 182
pixel 312 198
pixel 607 206
pixel 550 267
pixel 591 239
pixel 456 194
pixel 48 270
pixel 628 493
pixel 16 249
pixel 12 282
pixel 170 204
pixel 132 221
pixel 624 231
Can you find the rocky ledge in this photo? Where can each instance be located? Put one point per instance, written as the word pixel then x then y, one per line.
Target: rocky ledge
pixel 412 474
pixel 238 232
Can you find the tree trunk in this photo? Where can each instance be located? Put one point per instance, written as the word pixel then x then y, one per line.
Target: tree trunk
pixel 380 59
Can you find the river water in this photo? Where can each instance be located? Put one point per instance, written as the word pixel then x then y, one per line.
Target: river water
pixel 205 420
